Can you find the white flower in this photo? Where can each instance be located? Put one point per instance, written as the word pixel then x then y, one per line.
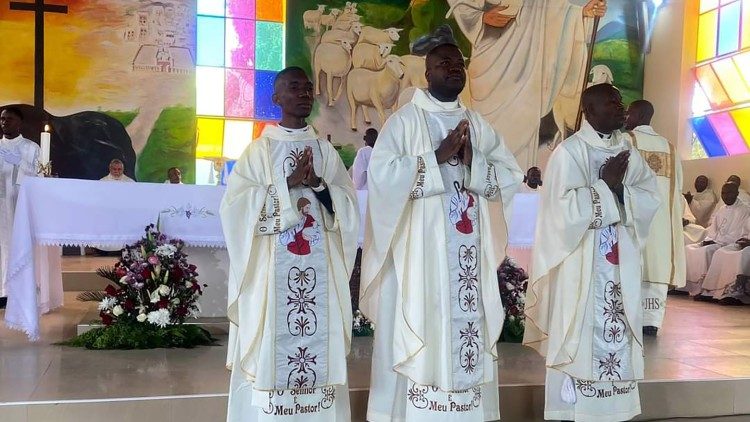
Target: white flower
pixel 124 279
pixel 175 301
pixel 510 286
pixel 164 290
pixel 107 303
pixel 160 317
pixel 141 317
pixel 166 250
pixel 195 310
pixel 154 296
pixel 188 284
pixel 117 310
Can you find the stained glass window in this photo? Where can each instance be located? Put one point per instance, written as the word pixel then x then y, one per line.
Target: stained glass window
pixel 240 49
pixel 721 95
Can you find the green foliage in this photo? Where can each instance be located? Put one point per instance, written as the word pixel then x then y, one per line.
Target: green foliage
pixel 133 335
pixel 124 117
pixel 170 144
pixel 347 154
pixel 512 331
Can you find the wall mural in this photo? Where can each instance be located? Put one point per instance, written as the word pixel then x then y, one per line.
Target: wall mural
pixel 118 83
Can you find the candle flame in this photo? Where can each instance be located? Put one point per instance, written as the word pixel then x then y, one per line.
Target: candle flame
pixel 46 128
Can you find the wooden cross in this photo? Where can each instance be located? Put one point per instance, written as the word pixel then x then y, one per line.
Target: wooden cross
pixel 39 7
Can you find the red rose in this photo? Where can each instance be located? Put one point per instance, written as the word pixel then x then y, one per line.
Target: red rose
pixel 146 273
pixel 162 304
pixel 181 311
pixel 120 272
pixel 111 290
pixel 106 318
pixel 128 304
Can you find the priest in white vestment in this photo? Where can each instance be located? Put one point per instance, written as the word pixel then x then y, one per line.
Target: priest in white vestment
pixel 429 270
pixel 527 57
pixel 726 276
pixel 290 221
pixel 703 202
pixel 692 232
pixel 726 228
pixel 664 254
pixel 359 176
pixel 116 172
pixel 583 305
pixel 18 159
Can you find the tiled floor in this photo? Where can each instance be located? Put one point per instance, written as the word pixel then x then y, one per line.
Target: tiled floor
pixel 700 341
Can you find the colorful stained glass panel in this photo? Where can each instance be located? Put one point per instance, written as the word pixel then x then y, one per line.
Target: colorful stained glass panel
pixel 712 87
pixel 269 46
pixel 745 25
pixel 708 24
pixel 743 64
pixel 241 9
pixel 742 120
pixel 731 80
pixel 211 7
pixel 707 137
pixel 270 10
pixel 700 103
pixel 240 45
pixel 209 92
pixel 728 134
pixel 210 134
pixel 210 48
pixel 265 109
pixel 239 93
pixel 729 28
pixel 707 5
pixel 237 136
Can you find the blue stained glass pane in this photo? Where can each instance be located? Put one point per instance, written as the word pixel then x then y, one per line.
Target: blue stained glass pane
pixel 707 136
pixel 269 45
pixel 729 28
pixel 228 166
pixel 265 109
pixel 210 41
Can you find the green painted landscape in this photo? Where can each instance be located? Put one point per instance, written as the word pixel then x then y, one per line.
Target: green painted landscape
pixel 171 144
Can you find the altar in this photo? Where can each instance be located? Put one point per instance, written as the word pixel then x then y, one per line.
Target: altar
pixel 58 212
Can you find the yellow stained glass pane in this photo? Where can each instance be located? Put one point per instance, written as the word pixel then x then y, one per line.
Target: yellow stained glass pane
pixel 237 136
pixel 707 5
pixel 210 138
pixel 731 80
pixel 743 64
pixel 741 118
pixel 712 87
pixel 745 25
pixel 269 10
pixel 707 35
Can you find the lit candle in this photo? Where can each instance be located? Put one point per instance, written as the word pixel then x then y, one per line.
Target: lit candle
pixel 45 144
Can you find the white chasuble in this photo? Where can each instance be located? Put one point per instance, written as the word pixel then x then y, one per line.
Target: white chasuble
pixel 429 265
pixel 583 305
pixel 18 159
pixel 664 254
pixel 290 262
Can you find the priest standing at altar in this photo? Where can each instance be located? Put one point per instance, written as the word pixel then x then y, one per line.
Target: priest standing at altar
pixel 664 254
pixel 527 56
pixel 429 271
pixel 290 221
pixel 18 159
pixel 583 305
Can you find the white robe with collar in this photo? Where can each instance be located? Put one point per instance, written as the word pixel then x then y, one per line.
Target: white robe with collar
pixel 18 159
pixel 703 205
pixel 406 270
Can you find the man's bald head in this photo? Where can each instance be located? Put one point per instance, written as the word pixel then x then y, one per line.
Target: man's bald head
pixel 639 113
pixel 293 92
pixel 602 105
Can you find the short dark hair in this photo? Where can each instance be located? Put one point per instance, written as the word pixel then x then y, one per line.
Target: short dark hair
pixel 172 168
pixel 13 110
pixel 286 71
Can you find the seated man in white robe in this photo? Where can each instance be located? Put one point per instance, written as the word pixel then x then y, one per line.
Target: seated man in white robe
pixel 116 172
pixel 703 202
pixel 725 229
pixel 429 271
pixel 743 195
pixel 290 222
pixel 174 176
pixel 727 275
pixel 583 306
pixel 693 233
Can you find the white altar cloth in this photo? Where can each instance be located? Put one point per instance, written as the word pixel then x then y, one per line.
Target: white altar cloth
pixel 57 212
pixel 522 227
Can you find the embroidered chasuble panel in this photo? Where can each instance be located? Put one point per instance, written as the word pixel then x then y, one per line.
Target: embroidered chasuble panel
pixel 612 336
pixel 301 280
pixel 659 162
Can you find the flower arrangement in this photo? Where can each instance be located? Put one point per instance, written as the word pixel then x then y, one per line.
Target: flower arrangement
pixel 154 290
pixel 361 326
pixel 512 281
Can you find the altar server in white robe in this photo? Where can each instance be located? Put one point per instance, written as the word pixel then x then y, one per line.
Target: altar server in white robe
pixel 527 57
pixel 692 232
pixel 429 271
pixel 583 306
pixel 18 159
pixel 664 254
pixel 742 195
pixel 722 281
pixel 290 222
pixel 726 228
pixel 703 202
